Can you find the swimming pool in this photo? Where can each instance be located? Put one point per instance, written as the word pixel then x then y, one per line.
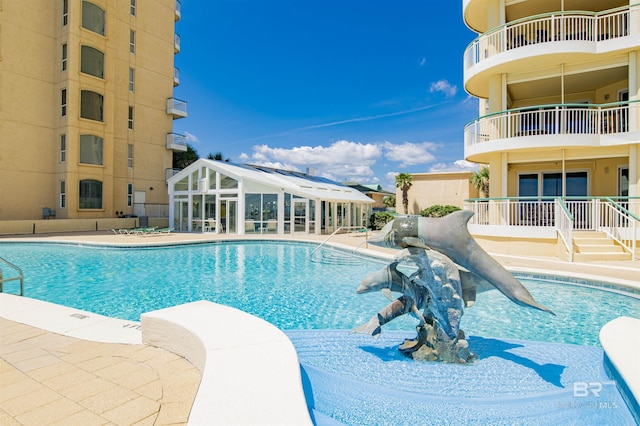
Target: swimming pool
pixel 354 379
pixel 277 282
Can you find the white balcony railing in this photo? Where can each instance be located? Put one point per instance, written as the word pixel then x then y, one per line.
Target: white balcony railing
pixel 176 142
pixel 176 108
pixel 176 76
pixel 176 43
pixel 567 119
pixel 178 11
pixel 548 28
pixel 618 218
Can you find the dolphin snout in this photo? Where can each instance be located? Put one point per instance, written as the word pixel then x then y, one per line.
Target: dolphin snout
pixel 374 281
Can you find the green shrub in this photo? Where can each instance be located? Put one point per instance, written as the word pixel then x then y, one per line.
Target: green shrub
pixel 438 211
pixel 380 219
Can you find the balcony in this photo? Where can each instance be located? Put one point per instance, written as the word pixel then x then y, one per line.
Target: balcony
pixel 176 43
pixel 169 173
pixel 176 108
pixel 552 126
pixel 176 142
pixel 559 33
pixel 178 13
pixel 176 76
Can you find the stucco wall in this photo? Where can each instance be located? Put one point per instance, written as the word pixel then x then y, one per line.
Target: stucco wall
pixel 429 189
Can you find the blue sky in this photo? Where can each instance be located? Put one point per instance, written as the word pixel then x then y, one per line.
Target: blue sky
pixel 358 90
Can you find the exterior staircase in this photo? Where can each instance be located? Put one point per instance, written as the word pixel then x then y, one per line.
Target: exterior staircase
pixel 589 246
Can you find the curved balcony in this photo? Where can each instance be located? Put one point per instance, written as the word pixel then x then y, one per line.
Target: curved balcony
pixel 560 33
pixel 552 126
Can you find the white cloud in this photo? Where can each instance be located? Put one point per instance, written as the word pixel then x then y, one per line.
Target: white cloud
pixel 444 87
pixel 340 161
pixel 410 154
pixel 191 138
pixel 456 166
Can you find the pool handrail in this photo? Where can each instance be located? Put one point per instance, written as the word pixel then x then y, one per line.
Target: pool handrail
pixel 19 277
pixel 341 228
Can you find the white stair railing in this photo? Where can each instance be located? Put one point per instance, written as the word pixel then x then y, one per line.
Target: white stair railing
pixel 617 223
pixel 564 225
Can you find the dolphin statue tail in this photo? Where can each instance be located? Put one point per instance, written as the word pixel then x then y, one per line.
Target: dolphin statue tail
pixel 450 236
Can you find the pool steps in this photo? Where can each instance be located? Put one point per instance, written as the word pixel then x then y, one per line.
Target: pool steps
pixel 250 369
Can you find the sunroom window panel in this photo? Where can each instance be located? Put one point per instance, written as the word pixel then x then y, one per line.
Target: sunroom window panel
pixel 92 62
pixel 93 17
pixel 91 149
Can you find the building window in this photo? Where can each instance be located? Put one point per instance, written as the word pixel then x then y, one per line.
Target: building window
pixel 91 105
pixel 64 57
pixel 133 7
pixel 65 12
pixel 90 149
pixel 132 79
pixel 92 61
pixel 93 18
pixel 129 194
pixel 63 102
pixel 132 41
pixel 90 194
pixel 130 156
pixel 63 148
pixel 63 195
pixel 130 121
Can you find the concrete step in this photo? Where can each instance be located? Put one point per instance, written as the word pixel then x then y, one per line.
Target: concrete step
pixel 593 241
pixel 597 248
pixel 600 257
pixel 589 234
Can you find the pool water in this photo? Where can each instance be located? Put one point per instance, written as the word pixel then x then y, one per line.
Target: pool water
pixel 524 375
pixel 277 282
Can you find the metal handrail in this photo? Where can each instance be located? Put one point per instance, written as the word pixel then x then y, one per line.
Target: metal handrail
pixel 19 277
pixel 565 226
pixel 340 228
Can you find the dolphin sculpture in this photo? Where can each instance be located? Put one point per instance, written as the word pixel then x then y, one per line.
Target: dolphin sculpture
pixel 432 286
pixel 449 235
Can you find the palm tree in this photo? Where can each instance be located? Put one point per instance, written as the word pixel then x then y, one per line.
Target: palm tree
pixel 182 159
pixel 480 180
pixel 217 157
pixel 403 181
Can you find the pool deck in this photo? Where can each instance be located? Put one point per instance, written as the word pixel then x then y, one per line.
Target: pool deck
pixel 85 369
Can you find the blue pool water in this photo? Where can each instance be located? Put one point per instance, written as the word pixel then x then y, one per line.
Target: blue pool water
pixel 277 282
pixel 349 378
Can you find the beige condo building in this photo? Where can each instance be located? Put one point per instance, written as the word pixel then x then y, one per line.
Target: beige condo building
pixel 86 107
pixel 559 88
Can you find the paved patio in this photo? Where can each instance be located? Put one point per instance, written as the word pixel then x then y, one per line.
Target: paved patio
pixel 49 378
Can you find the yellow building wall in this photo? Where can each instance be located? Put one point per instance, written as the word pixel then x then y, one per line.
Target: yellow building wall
pixel 429 189
pixel 31 80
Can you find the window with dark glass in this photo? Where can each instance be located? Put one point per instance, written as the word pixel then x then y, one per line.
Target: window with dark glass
pixel 65 12
pixel 129 194
pixel 63 148
pixel 132 41
pixel 92 61
pixel 130 156
pixel 63 195
pixel 93 18
pixel 63 102
pixel 90 194
pixel 133 7
pixel 91 105
pixel 132 79
pixel 64 57
pixel 130 120
pixel 91 149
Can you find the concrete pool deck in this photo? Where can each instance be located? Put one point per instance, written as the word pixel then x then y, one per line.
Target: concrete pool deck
pixel 52 375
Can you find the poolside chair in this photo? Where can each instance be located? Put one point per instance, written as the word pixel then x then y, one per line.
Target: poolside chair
pixel 249 226
pixel 272 226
